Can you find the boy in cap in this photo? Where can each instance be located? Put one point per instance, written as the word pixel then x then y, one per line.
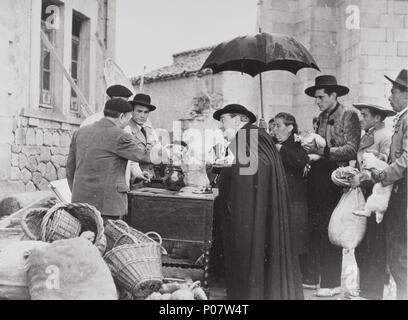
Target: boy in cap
pixel 371 253
pixel 396 173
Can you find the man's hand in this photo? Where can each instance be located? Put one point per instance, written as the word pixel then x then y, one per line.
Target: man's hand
pixel 354 181
pixel 314 157
pixel 143 176
pixel 377 154
pixel 376 175
pixel 311 148
pixel 306 170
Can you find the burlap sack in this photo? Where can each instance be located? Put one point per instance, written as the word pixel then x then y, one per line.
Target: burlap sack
pixel 346 230
pixel 69 270
pixel 13 269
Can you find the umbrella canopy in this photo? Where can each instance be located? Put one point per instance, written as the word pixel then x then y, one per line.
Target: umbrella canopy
pixel 258 53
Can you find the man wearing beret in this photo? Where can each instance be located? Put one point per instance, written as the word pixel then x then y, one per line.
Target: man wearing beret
pixel 396 173
pixel 113 92
pixel 98 157
pixel 340 127
pixel 255 207
pixel 371 252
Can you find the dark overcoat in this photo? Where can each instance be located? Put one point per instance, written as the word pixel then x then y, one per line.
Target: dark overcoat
pixel 295 159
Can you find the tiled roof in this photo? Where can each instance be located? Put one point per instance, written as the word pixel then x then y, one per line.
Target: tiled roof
pixel 182 68
pixel 189 52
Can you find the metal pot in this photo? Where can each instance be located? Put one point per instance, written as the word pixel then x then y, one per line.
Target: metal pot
pixel 174 178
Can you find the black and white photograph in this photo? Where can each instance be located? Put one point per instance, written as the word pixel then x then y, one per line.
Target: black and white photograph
pixel 219 151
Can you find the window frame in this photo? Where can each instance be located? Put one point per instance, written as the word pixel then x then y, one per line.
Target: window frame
pixel 73 96
pixel 51 70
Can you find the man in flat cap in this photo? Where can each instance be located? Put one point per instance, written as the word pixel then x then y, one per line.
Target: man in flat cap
pixel 142 130
pixel 340 127
pixel 119 91
pixel 371 253
pixel 255 207
pixel 97 161
pixel 396 173
pixel 113 92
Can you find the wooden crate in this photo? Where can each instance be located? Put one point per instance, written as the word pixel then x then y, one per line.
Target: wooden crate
pixel 183 219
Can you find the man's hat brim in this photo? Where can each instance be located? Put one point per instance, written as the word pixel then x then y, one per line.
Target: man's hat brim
pixel 217 114
pixel 378 109
pixel 405 85
pixel 139 103
pixel 341 90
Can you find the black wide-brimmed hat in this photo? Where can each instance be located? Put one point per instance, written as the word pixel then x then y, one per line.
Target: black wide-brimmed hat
pixel 327 81
pixel 143 100
pixel 378 109
pixel 119 105
pixel 118 90
pixel 402 79
pixel 234 108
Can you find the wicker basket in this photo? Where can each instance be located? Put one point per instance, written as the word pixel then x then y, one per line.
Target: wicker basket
pixel 59 225
pixel 136 267
pixel 36 222
pixel 115 229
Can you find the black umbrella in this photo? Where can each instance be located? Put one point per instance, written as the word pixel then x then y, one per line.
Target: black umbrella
pixel 258 53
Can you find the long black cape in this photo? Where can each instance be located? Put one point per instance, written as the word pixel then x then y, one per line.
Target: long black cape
pixel 260 262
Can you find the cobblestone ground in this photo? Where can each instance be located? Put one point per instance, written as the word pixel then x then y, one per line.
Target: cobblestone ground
pixel 349 282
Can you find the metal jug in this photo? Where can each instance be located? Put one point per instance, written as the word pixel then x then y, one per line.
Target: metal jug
pixel 174 178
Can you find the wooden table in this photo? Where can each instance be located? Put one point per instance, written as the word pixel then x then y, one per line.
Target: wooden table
pixel 179 217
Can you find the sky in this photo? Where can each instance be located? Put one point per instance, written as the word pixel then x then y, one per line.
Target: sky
pixel 149 32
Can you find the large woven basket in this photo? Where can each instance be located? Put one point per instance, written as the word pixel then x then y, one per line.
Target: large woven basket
pixel 115 229
pixel 136 267
pixel 40 223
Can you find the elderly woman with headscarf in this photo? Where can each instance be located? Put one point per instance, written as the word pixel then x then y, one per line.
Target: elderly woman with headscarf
pixel 294 159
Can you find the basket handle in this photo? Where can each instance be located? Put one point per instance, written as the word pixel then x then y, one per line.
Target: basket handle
pixel 134 239
pixel 156 235
pixel 163 249
pixel 47 217
pixel 24 222
pixel 98 218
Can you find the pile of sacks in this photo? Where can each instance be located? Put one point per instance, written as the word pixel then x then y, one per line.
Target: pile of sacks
pixel 71 269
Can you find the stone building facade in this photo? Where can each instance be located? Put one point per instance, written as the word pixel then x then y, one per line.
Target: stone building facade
pixel 358 41
pixel 38 110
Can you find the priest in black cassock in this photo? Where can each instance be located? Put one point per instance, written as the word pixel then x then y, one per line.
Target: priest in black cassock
pixel 255 206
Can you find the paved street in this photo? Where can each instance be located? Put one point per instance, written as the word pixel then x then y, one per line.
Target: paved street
pixel 349 281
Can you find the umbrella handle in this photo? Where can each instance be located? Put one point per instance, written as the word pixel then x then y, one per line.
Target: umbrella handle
pixel 261 93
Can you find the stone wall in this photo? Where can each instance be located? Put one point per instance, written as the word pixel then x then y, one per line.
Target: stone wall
pixel 34 140
pixel 358 57
pixel 39 153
